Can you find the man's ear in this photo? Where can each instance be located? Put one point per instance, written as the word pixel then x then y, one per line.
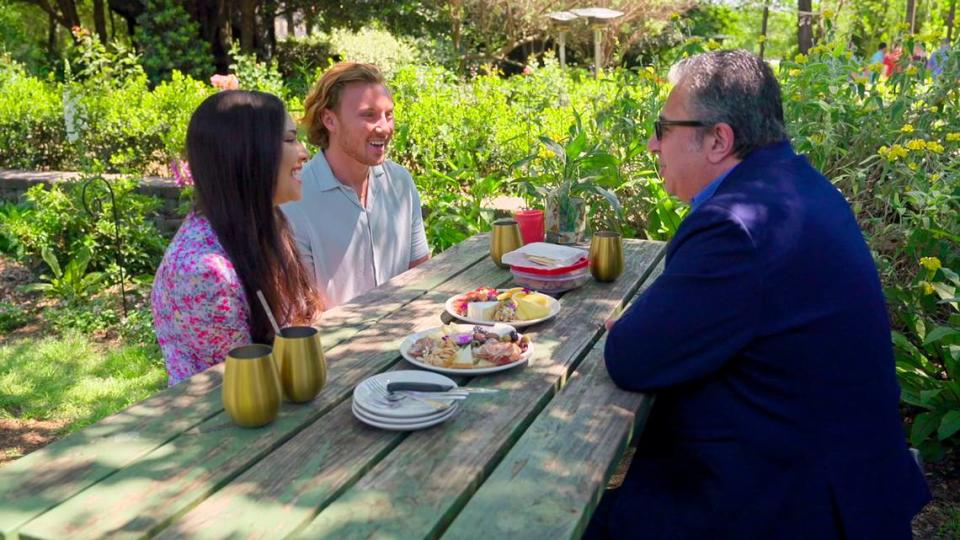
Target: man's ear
pixel 329 119
pixel 722 143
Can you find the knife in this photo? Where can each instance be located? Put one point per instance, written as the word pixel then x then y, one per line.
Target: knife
pixel 401 386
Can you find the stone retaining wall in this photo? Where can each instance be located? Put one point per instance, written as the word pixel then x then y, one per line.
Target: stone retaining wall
pixel 14 183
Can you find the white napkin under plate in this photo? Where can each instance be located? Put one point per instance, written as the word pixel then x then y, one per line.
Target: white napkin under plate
pixel 544 255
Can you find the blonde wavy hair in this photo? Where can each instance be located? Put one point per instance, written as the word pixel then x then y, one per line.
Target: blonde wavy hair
pixel 326 93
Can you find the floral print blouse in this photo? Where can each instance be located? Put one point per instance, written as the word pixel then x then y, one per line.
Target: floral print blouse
pixel 200 309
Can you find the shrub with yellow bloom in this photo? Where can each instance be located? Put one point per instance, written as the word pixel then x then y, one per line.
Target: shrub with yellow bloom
pixel 935 147
pixel 907 128
pixel 953 137
pixel 800 58
pixel 827 14
pixel 926 287
pixel 930 263
pixel 892 153
pixel 916 144
pixel 793 72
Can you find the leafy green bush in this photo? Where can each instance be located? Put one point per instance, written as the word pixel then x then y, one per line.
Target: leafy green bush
pixel 169 39
pixel 373 45
pixel 54 218
pixel 299 60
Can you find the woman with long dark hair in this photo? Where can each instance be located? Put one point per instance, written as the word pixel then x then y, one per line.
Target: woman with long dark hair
pixel 245 160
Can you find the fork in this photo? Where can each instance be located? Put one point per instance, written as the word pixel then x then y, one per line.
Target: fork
pixel 381 388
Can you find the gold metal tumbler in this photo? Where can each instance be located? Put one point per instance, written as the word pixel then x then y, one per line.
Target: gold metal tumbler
pixel 251 389
pixel 300 362
pixel 504 239
pixel 606 256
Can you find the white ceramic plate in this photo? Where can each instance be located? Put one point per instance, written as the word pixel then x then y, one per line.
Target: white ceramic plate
pixel 405 425
pixel 411 339
pixel 554 309
pixel 373 402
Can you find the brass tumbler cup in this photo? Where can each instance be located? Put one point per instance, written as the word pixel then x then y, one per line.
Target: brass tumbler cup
pixel 251 389
pixel 300 362
pixel 606 256
pixel 504 239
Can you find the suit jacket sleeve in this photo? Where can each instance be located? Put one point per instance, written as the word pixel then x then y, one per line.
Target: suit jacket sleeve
pixel 697 315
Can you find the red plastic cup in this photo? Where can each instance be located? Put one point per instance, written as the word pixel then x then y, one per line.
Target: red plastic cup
pixel 531 225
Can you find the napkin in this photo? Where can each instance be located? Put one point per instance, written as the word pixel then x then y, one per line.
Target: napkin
pixel 544 255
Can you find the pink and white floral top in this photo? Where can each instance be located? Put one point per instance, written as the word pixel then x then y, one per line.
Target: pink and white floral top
pixel 200 310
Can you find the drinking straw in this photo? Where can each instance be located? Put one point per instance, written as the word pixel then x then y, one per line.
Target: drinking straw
pixel 266 307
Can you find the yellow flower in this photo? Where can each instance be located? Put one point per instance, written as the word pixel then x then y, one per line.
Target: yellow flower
pixel 800 58
pixel 883 151
pixel 712 45
pixel 761 39
pixel 916 144
pixel 911 70
pixel 926 287
pixel 896 152
pixel 793 72
pixel 935 147
pixel 674 16
pixel 930 263
pixel 828 14
pixel 907 128
pixel 953 137
pixel 934 178
pixel 934 109
pixel 848 55
pixel 912 166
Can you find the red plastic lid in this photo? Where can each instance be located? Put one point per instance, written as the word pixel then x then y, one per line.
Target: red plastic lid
pixel 582 263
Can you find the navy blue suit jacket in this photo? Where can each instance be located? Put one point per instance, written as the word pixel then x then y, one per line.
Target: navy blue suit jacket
pixel 767 343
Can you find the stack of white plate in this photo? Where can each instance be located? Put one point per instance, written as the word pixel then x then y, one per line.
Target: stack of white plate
pixel 371 406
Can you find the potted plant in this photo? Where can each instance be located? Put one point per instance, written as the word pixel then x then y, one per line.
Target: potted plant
pixel 565 176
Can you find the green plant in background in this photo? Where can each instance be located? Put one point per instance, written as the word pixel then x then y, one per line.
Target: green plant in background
pixel 12 316
pixel 72 283
pixel 928 354
pixel 168 39
pixel 564 175
pixel 256 75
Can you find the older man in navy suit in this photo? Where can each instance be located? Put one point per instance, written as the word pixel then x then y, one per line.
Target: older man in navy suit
pixel 766 340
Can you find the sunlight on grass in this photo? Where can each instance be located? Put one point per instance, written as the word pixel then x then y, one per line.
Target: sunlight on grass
pixel 70 378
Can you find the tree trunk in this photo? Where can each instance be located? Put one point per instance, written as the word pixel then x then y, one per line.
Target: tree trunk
pixel 911 13
pixel 52 36
pixel 100 21
pixel 248 25
pixel 804 26
pixel 69 10
pixel 950 19
pixel 763 26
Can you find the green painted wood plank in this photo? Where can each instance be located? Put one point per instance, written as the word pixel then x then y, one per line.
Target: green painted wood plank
pixel 560 467
pixel 43 479
pixel 145 496
pixel 420 486
pixel 283 491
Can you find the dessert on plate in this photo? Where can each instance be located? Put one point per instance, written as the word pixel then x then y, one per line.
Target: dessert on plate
pixel 461 347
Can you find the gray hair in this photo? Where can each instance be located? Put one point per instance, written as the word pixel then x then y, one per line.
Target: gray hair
pixel 736 88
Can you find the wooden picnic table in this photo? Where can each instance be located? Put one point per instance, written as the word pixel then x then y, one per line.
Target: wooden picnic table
pixel 530 461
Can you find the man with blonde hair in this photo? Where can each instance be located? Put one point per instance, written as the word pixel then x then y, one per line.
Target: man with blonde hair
pixel 359 222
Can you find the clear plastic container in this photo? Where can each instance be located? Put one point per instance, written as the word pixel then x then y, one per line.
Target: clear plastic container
pixel 551 281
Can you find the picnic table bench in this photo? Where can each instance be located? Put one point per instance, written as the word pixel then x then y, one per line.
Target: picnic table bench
pixel 530 461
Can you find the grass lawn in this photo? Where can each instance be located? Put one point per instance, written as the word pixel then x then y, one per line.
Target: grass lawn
pixel 75 380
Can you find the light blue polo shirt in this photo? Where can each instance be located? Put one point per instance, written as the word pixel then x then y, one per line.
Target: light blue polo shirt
pixel 353 249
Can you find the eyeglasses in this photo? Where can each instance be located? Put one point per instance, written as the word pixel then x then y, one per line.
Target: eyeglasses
pixel 661 123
